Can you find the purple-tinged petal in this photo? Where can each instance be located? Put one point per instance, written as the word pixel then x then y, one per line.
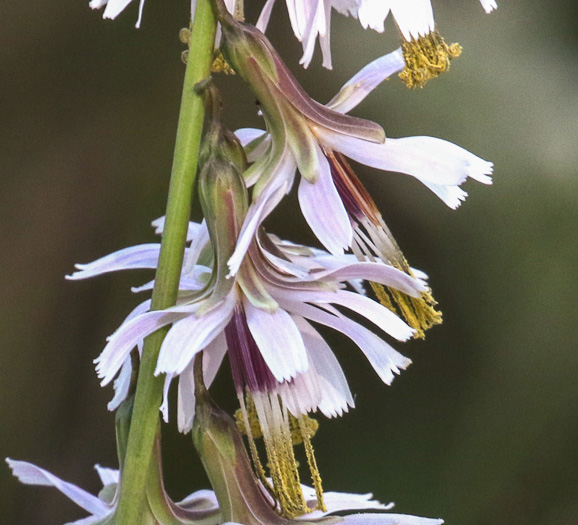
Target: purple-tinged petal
pixel 264 204
pixel 324 211
pixel 385 360
pixel 370 271
pixel 30 474
pixel 134 257
pixel 191 334
pixel 279 341
pixel 373 311
pixel 130 333
pixel 265 15
pixel 359 86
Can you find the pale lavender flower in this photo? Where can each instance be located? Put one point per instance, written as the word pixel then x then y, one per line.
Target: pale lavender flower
pixel 303 134
pixel 263 317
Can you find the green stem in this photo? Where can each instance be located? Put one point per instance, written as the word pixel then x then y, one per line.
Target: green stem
pixel 149 388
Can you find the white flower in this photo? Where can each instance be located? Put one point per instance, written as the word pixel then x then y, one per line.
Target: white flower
pixel 279 289
pixel 303 134
pixel 316 139
pixel 312 18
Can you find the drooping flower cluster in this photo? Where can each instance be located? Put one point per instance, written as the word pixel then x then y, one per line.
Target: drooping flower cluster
pixel 258 300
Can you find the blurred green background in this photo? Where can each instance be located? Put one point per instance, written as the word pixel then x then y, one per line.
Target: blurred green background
pixel 481 429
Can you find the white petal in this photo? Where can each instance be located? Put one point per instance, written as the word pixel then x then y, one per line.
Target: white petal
pixel 370 271
pixel 248 135
pixel 317 24
pixel 200 241
pixel 130 333
pixel 192 229
pixel 364 82
pixel 141 256
pixel 121 385
pixel 212 358
pixel 256 214
pixel 336 396
pixel 97 4
pixel 373 311
pixel 30 474
pixel 324 211
pixel 265 15
pixel 114 8
pixel 413 17
pixel 372 13
pixel 452 196
pixel 191 334
pixel 279 341
pixel 426 158
pixel 164 408
pixel 489 5
pixel 107 475
pixel 342 501
pixel 200 500
pixel 383 358
pixel 389 519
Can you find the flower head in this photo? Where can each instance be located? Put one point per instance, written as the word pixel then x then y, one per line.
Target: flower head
pixel 316 139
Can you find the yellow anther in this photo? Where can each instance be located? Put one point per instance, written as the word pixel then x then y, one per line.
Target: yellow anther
pixel 425 58
pixel 301 428
pixel 265 416
pixel 220 65
pixel 306 435
pixel 418 312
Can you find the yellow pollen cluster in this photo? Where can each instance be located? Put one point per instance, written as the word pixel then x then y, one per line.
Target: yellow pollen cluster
pixel 280 433
pixel 418 312
pixel 425 58
pixel 220 65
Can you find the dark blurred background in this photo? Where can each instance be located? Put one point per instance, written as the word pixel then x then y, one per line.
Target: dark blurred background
pixel 481 429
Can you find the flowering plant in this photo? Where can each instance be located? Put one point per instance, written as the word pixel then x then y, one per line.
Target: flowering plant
pixel 228 289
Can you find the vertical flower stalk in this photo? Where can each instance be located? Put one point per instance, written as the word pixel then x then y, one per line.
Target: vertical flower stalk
pixel 149 388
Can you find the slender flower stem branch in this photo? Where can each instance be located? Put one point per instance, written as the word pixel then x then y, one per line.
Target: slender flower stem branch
pixel 149 388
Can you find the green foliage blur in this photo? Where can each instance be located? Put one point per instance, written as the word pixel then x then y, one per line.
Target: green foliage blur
pixel 483 427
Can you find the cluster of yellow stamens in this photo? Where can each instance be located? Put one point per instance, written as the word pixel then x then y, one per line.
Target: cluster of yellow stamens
pixel 425 58
pixel 263 415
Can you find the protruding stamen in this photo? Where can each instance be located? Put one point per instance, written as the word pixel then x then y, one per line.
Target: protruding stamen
pixel 425 58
